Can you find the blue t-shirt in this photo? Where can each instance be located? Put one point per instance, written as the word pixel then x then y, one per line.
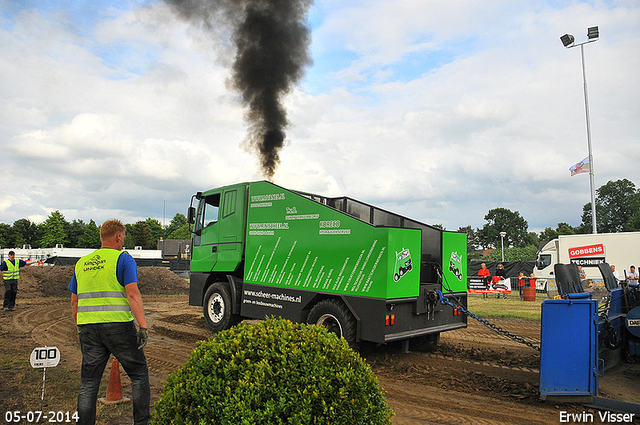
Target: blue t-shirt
pixel 127 272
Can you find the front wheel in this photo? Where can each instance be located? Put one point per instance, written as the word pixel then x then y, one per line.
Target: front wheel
pixel 217 308
pixel 334 316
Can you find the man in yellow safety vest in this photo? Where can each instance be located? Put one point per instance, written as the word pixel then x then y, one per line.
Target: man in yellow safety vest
pixel 104 301
pixel 11 273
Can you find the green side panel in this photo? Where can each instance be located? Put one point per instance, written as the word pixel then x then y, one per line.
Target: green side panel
pixel 404 262
pixel 294 242
pixel 454 262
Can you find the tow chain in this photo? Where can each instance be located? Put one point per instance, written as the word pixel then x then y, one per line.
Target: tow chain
pixel 485 322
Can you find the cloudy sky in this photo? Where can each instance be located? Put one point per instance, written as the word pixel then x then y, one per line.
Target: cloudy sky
pixel 438 110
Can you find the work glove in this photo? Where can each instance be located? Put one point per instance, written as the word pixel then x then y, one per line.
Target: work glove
pixel 143 338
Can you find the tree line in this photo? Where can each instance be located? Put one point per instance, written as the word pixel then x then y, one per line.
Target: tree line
pixel 617 210
pixel 78 234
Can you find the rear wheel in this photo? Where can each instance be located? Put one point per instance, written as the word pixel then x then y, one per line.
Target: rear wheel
pixel 217 308
pixel 334 316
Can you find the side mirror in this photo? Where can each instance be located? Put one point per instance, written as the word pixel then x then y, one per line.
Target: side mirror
pixel 191 215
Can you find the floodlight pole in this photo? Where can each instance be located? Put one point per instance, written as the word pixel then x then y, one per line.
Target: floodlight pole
pixel 502 235
pixel 591 169
pixel 593 36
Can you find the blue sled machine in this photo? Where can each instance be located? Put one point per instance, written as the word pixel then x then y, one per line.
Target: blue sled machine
pixel 581 339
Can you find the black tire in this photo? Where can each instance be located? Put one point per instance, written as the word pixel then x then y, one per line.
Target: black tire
pixel 217 308
pixel 336 318
pixel 425 343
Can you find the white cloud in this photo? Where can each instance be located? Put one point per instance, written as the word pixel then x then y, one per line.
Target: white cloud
pixel 437 110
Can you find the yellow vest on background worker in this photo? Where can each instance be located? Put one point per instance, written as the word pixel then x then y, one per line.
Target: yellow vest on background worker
pixel 13 270
pixel 101 298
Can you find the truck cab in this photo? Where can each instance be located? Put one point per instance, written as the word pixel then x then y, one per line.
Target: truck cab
pixel 219 230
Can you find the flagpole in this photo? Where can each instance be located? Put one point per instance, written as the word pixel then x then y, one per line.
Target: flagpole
pixel 591 168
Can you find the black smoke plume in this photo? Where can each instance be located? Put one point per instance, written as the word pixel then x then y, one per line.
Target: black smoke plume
pixel 271 41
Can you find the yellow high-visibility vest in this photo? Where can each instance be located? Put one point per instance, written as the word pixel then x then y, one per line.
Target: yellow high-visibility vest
pixel 13 270
pixel 101 298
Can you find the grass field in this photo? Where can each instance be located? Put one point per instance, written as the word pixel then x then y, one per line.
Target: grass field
pixel 511 308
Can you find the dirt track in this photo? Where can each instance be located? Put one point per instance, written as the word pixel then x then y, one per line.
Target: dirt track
pixel 474 377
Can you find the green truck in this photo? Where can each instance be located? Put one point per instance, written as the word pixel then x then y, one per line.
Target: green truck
pixel 366 274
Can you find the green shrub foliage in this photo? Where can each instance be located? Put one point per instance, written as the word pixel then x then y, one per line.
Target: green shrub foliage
pixel 273 372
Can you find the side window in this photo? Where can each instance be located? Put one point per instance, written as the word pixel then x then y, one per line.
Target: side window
pixel 211 209
pixel 544 261
pixel 229 206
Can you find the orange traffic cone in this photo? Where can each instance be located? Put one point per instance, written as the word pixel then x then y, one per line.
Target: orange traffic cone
pixel 114 388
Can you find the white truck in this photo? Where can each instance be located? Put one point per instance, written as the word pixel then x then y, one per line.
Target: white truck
pixel 589 250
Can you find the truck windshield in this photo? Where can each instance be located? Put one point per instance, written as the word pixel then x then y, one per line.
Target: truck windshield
pixel 543 261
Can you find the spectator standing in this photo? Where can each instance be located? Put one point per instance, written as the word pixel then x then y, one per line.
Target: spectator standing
pixel 521 283
pixel 11 273
pixel 104 301
pixel 501 274
pixel 484 272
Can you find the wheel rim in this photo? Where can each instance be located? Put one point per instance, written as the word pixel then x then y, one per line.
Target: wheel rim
pixel 330 323
pixel 216 308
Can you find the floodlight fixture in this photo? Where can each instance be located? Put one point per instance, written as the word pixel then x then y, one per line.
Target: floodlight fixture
pixel 593 33
pixel 567 40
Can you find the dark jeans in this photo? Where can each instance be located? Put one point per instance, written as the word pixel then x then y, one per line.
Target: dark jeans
pixel 10 292
pixel 97 342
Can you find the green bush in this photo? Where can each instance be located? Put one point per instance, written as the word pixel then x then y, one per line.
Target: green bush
pixel 273 372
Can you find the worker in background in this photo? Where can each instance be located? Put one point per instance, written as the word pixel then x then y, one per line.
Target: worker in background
pixel 583 274
pixel 615 272
pixel 104 301
pixel 11 273
pixel 484 272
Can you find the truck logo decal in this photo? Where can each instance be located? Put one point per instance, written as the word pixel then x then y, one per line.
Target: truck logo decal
pixel 268 226
pixel 302 217
pixel 455 265
pixel 587 262
pixel 586 251
pixel 268 197
pixel 329 224
pixel 334 232
pixel 403 264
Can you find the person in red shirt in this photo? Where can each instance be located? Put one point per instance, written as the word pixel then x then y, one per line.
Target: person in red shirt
pixel 521 279
pixel 484 272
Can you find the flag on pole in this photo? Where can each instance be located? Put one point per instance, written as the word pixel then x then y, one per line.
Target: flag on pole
pixel 580 167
